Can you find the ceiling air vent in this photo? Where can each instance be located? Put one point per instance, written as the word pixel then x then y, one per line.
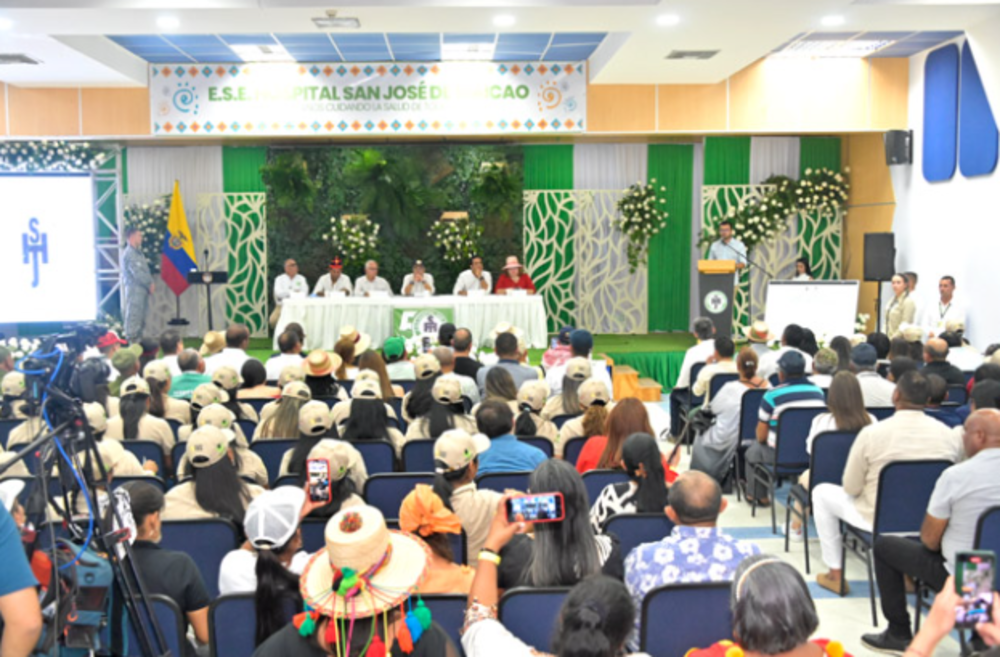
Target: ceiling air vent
pixel 7 59
pixel 692 54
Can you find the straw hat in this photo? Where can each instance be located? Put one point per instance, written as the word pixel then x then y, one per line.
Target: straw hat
pixel 321 363
pixel 758 332
pixel 512 263
pixel 362 341
pixel 534 394
pixel 314 418
pixel 578 369
pixel 291 373
pixel 426 366
pixel 390 563
pixel 447 391
pixel 14 384
pixel 207 445
pixel 207 394
pixel 227 378
pixel 158 371
pixel 366 389
pixel 134 385
pixel 594 392
pixel 213 343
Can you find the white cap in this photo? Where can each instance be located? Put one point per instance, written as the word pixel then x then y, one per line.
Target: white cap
pixel 9 490
pixel 273 517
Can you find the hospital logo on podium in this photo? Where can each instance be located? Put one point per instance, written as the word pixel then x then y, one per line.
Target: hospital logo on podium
pixel 35 247
pixel 716 302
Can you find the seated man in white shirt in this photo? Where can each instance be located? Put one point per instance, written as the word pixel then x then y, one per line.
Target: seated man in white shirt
pixel 336 283
pixel 791 339
pixel 235 352
pixel 419 283
pixel 290 285
pixel 371 282
pixel 581 344
pixel 474 279
pixel 824 367
pixel 704 331
pixel 720 362
pixel 291 354
pixel 446 357
pixel 172 345
pixel 961 354
pixel 876 391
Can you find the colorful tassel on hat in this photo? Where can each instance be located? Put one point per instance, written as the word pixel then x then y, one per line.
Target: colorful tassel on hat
pixel 422 614
pixel 413 623
pixel 404 639
pixel 376 648
pixel 331 635
pixel 305 622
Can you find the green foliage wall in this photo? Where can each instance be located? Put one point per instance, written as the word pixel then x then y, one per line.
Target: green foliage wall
pixel 308 185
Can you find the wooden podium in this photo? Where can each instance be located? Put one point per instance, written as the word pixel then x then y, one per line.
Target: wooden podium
pixel 715 285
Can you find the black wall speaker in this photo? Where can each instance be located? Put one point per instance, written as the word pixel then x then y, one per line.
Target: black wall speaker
pixel 880 256
pixel 899 147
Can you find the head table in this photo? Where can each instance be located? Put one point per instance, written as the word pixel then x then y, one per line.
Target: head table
pixel 322 318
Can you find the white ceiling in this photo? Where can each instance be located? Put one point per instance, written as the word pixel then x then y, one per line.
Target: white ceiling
pixel 743 30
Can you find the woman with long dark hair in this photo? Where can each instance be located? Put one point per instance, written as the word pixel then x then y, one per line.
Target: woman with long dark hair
pixel 564 552
pixel 419 401
pixel 229 380
pixel 567 402
pixel 528 420
pixel 134 421
pixel 368 417
pixel 161 404
pixel 646 489
pixel 283 421
pixel 319 367
pixel 248 463
pixel 370 388
pixel 446 412
pixel 842 347
pixel 204 395
pixel 604 452
pixel 315 424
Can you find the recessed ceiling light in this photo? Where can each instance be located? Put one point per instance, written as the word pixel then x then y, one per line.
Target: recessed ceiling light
pixel 668 20
pixel 504 20
pixel 475 52
pixel 262 53
pixel 6 24
pixel 832 21
pixel 168 22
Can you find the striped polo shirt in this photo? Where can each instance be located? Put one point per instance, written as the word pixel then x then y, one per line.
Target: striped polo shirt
pixel 796 393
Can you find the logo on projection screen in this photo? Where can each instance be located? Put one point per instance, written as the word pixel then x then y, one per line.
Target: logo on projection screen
pixel 35 246
pixel 716 302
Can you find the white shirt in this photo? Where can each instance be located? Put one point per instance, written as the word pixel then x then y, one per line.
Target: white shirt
pixel 363 285
pixel 238 574
pixel 467 282
pixel 937 315
pixel 821 380
pixel 768 364
pixel 172 366
pixel 290 288
pixel 825 422
pixel 598 370
pixel 966 358
pixel 275 364
pixel 696 354
pixel 234 358
pixel 425 286
pixel 327 287
pixel 876 391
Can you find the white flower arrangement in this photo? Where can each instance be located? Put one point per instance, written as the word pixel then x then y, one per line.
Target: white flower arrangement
pixel 354 236
pixel 640 217
pixel 459 238
pixel 112 322
pixel 861 323
pixel 151 219
pixel 30 156
pixel 21 347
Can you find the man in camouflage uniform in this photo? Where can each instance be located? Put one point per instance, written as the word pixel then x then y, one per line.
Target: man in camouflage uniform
pixel 137 284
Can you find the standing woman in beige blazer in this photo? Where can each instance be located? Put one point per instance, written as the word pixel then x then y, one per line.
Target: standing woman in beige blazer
pixel 902 310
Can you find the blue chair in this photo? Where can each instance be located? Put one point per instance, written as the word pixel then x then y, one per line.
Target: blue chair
pixel 560 420
pixel 207 540
pixel 313 534
pixel 257 405
pixel 826 466
pixel 718 380
pixel 147 450
pixel 247 427
pixel 448 611
pixel 881 412
pixel 6 426
pixel 287 480
pixel 790 458
pixel 176 458
pixel 175 426
pixel 634 529
pixel 957 395
pixel 904 489
pixel 232 625
pixel 501 481
pixel 397 406
pixel 418 455
pixel 386 491
pixel 541 443
pixel 699 615
pixel 347 385
pixel 152 481
pixel 969 376
pixel 271 452
pixel 530 614
pixel 572 449
pixel 749 410
pixel 173 626
pixel 596 480
pixel 407 386
pixel 379 455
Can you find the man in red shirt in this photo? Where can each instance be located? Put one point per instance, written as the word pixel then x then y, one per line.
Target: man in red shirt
pixel 514 278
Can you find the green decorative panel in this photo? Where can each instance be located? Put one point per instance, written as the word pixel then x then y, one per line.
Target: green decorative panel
pixel 246 293
pixel 820 234
pixel 549 253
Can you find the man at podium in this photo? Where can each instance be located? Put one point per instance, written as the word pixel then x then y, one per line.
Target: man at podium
pixel 728 248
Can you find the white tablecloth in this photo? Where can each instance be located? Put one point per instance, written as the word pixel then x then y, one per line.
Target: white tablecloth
pixel 322 317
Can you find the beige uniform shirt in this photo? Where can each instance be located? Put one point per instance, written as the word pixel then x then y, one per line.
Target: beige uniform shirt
pixel 150 428
pixel 906 436
pixel 182 504
pixel 420 428
pixel 476 509
pixel 553 407
pixel 25 432
pixel 177 409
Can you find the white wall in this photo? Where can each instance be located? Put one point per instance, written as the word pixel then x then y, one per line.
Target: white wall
pixel 953 227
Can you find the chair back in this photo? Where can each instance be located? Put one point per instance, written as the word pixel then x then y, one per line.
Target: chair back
pixel 172 624
pixel 634 529
pixel 386 491
pixel 397 407
pixel 904 489
pixel 541 443
pixel 175 426
pixel 6 426
pixel 718 380
pixel 448 611
pixel 271 452
pixel 969 376
pixel 957 395
pixel 232 625
pixel 378 455
pixel 829 456
pixel 501 481
pixel 699 616
pixel 206 540
pixel 257 404
pixel 560 420
pixel 596 480
pixel 881 412
pixel 573 447
pixel 313 534
pixel 530 613
pixel 988 537
pixel 347 385
pixel 696 369
pixel 147 450
pixel 794 424
pixel 247 427
pixel 418 455
pixel 749 410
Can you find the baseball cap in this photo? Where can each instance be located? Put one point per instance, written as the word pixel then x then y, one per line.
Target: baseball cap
pixel 456 449
pixel 418 263
pixel 564 333
pixel 394 347
pixel 227 378
pixel 426 366
pixel 157 370
pixel 339 453
pixel 793 363
pixel 366 389
pixel 126 358
pixel 109 339
pixel 273 517
pixel 594 392
pixel 206 446
pixel 218 416
pixel 582 341
pixel 291 373
pixel 134 385
pixel 368 375
pixel 578 369
pixel 207 394
pixel 14 384
pixel 9 490
pixel 298 390
pixel 913 334
pixel 864 355
pixel 447 391
pixel 337 263
pixel 314 418
pixel 534 394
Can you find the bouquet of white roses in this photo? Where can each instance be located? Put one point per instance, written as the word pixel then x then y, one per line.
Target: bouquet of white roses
pixel 354 236
pixel 50 156
pixel 458 238
pixel 640 217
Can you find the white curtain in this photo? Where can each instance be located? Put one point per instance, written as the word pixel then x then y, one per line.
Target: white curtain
pixel 608 166
pixel 773 156
pixel 151 175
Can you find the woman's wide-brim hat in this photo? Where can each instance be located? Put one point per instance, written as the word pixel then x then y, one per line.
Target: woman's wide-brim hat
pixel 362 341
pixel 758 332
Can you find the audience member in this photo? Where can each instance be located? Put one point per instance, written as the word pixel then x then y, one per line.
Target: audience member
pixel 914 336
pixel 419 401
pixel 125 363
pixel 560 351
pixel 290 347
pixel 368 385
pixel 282 421
pixel 960 353
pixel 697 550
pixel 397 365
pixel 171 345
pixel 940 622
pixel 319 368
pixel 704 333
pixel 249 465
pixel 825 365
pixel 565 552
pixel 372 361
pixel 344 353
pixel 842 347
pixel 464 363
pixel 161 404
pixel 795 391
pixel 935 402
pixel 906 436
pixel 604 452
pixel 423 513
pixel 567 402
pixel 900 348
pixel 581 346
pixel 509 355
pixel 213 343
pixel 791 340
pixel 881 343
pixel 646 489
pixel 900 366
pixel 876 391
pixel 500 387
pixel 446 360
pixel 446 334
pixel 315 427
pixel 255 384
pixel 594 401
pixel 192 375
pixel 348 473
pixel 936 362
pixel 531 400
pixel 234 354
pixel 229 380
pixel 720 362
pixel 134 421
pixel 506 453
pixel 809 344
pixel 962 493
pixel 758 336
pixel 368 417
pixel 446 412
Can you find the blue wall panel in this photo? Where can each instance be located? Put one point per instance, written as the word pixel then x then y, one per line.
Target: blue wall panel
pixel 941 114
pixel 978 138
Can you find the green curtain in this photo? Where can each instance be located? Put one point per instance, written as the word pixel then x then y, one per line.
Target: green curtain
pixel 241 169
pixel 124 157
pixel 669 286
pixel 548 167
pixel 819 153
pixel 727 161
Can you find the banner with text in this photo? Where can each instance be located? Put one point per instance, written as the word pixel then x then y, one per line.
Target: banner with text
pixel 419 326
pixel 446 98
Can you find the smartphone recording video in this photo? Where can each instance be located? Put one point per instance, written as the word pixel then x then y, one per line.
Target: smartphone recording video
pixel 543 507
pixel 318 480
pixel 974 572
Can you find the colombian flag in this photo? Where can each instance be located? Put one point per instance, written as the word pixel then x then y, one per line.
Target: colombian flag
pixel 178 249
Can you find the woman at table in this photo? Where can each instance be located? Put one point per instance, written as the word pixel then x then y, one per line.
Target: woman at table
pixel 514 278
